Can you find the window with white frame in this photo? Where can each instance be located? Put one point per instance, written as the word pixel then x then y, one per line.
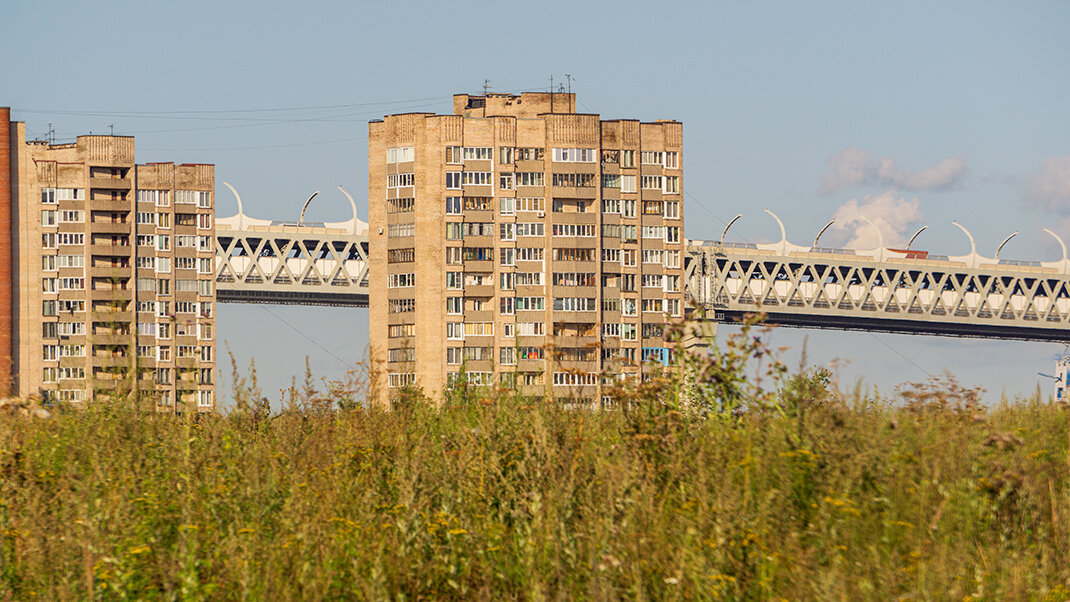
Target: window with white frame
pixel 530 178
pixel 400 280
pixel 453 180
pixel 651 182
pixel 505 181
pixel 400 154
pixel 476 178
pixel 575 155
pixel 530 204
pixel 400 180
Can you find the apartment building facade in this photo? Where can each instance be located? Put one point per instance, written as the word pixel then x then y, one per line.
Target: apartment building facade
pixel 517 241
pixel 112 266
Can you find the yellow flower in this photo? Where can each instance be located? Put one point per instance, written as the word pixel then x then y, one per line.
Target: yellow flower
pixel 140 550
pixel 458 531
pixel 246 530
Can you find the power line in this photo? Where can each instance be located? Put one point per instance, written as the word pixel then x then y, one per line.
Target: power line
pixel 207 111
pixel 894 350
pixel 234 148
pixel 295 329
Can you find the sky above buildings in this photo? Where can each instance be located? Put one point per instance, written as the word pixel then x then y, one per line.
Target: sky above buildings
pixel 907 113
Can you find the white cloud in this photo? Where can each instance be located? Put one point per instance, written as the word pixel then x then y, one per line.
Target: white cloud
pixel 894 216
pixel 1049 188
pixel 854 167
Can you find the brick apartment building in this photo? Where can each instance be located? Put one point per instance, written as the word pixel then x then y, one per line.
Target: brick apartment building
pixel 524 243
pixel 106 272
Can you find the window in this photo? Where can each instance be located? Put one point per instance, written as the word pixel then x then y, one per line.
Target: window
pixel 611 255
pixel 477 153
pixel 454 280
pixel 572 278
pixel 507 281
pixel 48 196
pixel 507 205
pixel 401 306
pixel 672 259
pixel 156 197
pixel 672 283
pixel 71 216
pixel 184 263
pixel 651 158
pixel 163 242
pixel 71 238
pixel 651 182
pixel 570 379
pixel 529 154
pixel 530 329
pixel 627 183
pixel 507 256
pixel 204 265
pixel 400 230
pixel 400 180
pixel 68 306
pixel 404 354
pixel 453 255
pixel 629 332
pixel 672 233
pixel 530 178
pixel 163 286
pixel 573 254
pixel 477 203
pixel 610 304
pixel 530 204
pixel 653 330
pixel 453 205
pixel 610 180
pixel 653 208
pixel 530 303
pixel 455 330
pixel 507 306
pixel 399 380
pixel 652 305
pixel 476 178
pixel 72 284
pixel 505 181
pixel 575 155
pixel 479 329
pixel 192 197
pixel 672 185
pixel 627 158
pixel 574 230
pixel 575 180
pixel 454 305
pixel 574 304
pixel 401 330
pixel 400 280
pixel 453 154
pixel 400 205
pixel 48 240
pixel 654 232
pixel 610 205
pixel 530 254
pixel 477 254
pixel 48 217
pixel 70 194
pixel 672 160
pixel 505 154
pixel 185 241
pixel 627 208
pixel 627 258
pixel 672 307
pixel 477 228
pixel 401 255
pixel 48 263
pixel 530 229
pixel 507 232
pixel 529 278
pixel 453 180
pixel 163 220
pixel 48 285
pixel 507 356
pixel 672 209
pixel 204 399
pixel 400 154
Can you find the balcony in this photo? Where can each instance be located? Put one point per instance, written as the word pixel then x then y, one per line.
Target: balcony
pixel 479 290
pixel 109 183
pixel 111 250
pixel 111 228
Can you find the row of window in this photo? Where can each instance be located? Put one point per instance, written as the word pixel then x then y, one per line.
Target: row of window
pixel 626 158
pixel 510 181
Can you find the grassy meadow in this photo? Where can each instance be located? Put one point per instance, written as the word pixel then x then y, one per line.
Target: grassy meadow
pixel 733 479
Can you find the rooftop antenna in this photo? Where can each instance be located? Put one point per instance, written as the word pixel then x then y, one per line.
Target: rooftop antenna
pixel 486 84
pixel 571 108
pixel 111 127
pixel 51 134
pixel 551 93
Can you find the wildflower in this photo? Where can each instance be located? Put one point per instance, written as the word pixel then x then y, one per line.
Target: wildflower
pixel 139 550
pixel 458 531
pixel 246 530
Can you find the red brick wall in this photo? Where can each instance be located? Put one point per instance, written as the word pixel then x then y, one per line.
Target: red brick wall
pixel 6 254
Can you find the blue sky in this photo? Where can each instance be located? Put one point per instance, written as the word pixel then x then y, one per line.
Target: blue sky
pixel 909 113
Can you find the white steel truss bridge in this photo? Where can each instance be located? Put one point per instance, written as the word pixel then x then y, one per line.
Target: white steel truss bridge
pixel 883 290
pixel 296 263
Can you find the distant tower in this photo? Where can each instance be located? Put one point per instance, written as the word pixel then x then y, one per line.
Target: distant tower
pixel 1062 376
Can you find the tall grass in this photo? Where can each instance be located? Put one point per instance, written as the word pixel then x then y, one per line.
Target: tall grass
pixel 722 491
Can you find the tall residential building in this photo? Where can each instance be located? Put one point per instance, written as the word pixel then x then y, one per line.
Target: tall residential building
pixel 524 242
pixel 112 264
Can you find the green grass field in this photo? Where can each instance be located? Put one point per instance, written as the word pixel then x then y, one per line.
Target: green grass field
pixel 720 489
